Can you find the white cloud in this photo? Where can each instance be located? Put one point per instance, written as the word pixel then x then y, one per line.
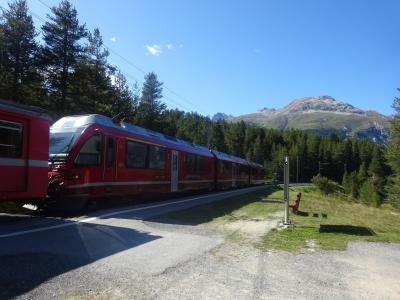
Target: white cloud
pixel 154 50
pixel 169 46
pixel 113 39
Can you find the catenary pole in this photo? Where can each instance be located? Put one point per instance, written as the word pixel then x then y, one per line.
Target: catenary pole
pixel 286 190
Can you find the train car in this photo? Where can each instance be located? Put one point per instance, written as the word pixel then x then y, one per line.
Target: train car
pixel 224 176
pixel 24 146
pixel 241 171
pixel 256 173
pixel 90 156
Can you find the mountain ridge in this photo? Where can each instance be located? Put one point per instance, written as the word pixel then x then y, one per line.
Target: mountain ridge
pixel 321 114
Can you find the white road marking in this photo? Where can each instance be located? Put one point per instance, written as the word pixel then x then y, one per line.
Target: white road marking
pixel 88 220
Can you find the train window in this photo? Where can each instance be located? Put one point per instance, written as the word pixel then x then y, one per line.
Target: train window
pixel 90 153
pixel 136 154
pixel 194 163
pixel 223 167
pixel 244 171
pixel 190 163
pixel 199 163
pixel 110 152
pixel 10 139
pixel 156 157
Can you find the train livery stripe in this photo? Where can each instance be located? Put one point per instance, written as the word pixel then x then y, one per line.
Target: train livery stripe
pixel 122 183
pixel 13 162
pixel 116 183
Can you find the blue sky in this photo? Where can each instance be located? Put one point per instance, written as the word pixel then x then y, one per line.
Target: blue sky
pixel 240 56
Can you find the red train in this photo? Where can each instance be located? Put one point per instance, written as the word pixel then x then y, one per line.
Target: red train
pixel 91 157
pixel 24 144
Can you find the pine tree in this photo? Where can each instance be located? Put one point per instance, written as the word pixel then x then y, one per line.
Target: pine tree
pixel 150 108
pixel 354 185
pixel 4 75
pixel 171 119
pixel 92 81
pixel 258 150
pixel 368 194
pixel 62 35
pixel 217 136
pixel 346 183
pixel 123 100
pixel 234 138
pixel 362 175
pixel 393 156
pixel 21 81
pixel 377 171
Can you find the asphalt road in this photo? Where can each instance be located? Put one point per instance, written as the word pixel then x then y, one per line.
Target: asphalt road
pixel 35 250
pixel 136 253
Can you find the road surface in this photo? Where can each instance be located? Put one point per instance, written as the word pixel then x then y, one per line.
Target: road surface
pixel 36 249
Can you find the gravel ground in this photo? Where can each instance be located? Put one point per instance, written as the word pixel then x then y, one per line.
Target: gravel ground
pixel 136 254
pixel 208 267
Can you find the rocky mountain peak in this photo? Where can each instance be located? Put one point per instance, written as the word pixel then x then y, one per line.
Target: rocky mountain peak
pixel 321 104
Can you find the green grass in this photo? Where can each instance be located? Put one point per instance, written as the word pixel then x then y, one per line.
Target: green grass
pixel 244 207
pixel 348 221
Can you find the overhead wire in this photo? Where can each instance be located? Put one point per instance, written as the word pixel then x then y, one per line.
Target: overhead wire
pixel 128 61
pixel 124 72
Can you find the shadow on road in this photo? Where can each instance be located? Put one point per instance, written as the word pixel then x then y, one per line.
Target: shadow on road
pixel 30 260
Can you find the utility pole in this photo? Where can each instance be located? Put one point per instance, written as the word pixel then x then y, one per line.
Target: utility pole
pixel 297 169
pixel 286 191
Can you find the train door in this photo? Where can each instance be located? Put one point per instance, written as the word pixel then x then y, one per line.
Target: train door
pixel 13 154
pixel 233 174
pixel 174 170
pixel 110 159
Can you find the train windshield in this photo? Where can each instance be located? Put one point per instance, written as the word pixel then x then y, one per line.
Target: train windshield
pixel 61 143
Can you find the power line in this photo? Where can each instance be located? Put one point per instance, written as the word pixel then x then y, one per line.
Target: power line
pixel 143 72
pixel 170 100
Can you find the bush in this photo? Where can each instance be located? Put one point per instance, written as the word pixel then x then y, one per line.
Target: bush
pixel 324 184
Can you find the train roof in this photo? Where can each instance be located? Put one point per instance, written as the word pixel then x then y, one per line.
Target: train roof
pixel 167 140
pixel 255 165
pixel 24 109
pixel 229 157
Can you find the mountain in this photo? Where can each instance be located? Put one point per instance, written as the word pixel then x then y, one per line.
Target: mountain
pixel 221 116
pixel 324 115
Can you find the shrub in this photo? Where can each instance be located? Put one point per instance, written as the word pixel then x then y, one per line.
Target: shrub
pixel 324 184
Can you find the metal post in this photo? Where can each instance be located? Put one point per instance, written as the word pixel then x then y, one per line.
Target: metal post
pixel 286 190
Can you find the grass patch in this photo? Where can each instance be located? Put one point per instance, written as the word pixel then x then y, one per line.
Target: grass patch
pixel 331 222
pixel 257 205
pixel 323 222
